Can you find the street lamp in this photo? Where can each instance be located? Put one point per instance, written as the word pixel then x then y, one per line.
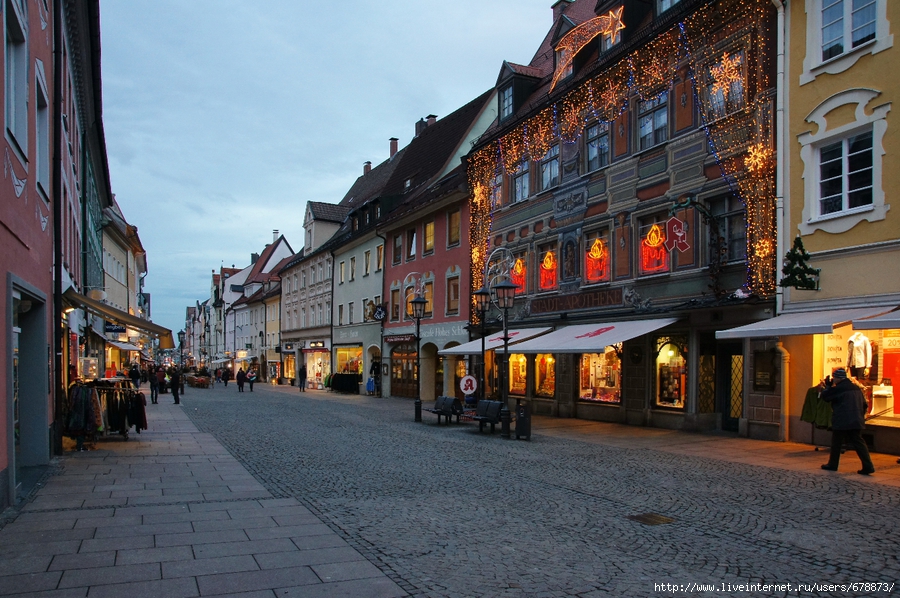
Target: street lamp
pixel 482 304
pixel 418 310
pixel 181 355
pixel 506 295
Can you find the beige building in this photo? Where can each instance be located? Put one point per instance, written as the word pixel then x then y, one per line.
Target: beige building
pixel 839 136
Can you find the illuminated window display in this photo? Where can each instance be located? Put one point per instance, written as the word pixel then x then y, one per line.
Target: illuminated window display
pixel 596 257
pixel 544 375
pixel 290 366
pixel 517 374
pixel 518 273
pixel 547 268
pixel 601 379
pixel 654 256
pixel 349 360
pixel 671 375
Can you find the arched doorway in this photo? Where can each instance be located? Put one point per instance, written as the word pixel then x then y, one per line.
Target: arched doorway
pixel 403 371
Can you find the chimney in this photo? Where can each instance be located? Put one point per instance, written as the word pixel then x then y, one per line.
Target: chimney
pixel 559 8
pixel 420 126
pixel 431 119
pixel 394 141
pixel 367 167
pixel 254 257
pixel 274 235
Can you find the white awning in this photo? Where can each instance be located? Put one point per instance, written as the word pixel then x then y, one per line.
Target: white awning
pixel 215 361
pixel 493 341
pixel 809 322
pixel 590 338
pixel 890 320
pixel 124 346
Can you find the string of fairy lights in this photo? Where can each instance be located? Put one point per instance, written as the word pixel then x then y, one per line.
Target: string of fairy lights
pixel 723 49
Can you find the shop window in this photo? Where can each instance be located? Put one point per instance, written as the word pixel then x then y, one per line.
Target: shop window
pixel 545 375
pixel 654 258
pixel 601 377
pixel 843 165
pixel 731 217
pixel 550 168
pixel 671 375
pixel 596 257
pixel 520 182
pixel 453 228
pixel 518 274
pixel 517 374
pixel 597 143
pixel 349 360
pixel 453 296
pixel 653 120
pixel 548 269
pixel 428 238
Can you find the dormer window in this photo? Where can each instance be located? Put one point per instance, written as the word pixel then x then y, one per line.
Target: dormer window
pixel 407 184
pixel 567 70
pixel 506 102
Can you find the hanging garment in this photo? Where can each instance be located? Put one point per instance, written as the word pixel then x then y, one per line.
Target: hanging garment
pixel 815 410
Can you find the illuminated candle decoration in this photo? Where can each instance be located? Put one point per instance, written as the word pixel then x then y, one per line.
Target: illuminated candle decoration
pixel 740 140
pixel 597 262
pixel 571 43
pixel 518 275
pixel 654 257
pixel 548 271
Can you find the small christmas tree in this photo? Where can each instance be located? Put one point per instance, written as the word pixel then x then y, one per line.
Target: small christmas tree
pixel 797 271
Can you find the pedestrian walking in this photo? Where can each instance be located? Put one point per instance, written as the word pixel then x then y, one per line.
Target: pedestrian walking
pixel 175 383
pixel 161 379
pixel 251 378
pixel 218 375
pixel 241 378
pixel 301 374
pixel 135 374
pixel 226 376
pixel 847 420
pixel 154 387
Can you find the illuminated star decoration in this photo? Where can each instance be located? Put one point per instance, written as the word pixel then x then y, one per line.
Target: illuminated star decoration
pixel 758 158
pixel 726 74
pixel 572 42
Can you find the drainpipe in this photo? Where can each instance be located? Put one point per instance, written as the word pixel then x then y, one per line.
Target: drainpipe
pixel 780 135
pixel 60 377
pixel 785 435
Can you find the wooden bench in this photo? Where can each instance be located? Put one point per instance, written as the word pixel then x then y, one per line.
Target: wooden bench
pixel 487 412
pixel 446 407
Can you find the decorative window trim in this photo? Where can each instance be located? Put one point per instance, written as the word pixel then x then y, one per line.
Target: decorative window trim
pixel 809 154
pixel 813 66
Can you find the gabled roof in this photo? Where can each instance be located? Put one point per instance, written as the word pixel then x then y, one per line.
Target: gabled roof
pixel 370 185
pixel 327 212
pixel 256 272
pixel 454 182
pixel 429 152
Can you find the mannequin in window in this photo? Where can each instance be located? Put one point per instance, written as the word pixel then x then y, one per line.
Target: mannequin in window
pixel 859 355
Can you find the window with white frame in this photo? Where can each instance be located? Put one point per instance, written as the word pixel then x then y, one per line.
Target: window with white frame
pixel 506 102
pixel 550 168
pixel 520 182
pixel 367 263
pixel 353 268
pixel 350 312
pixel 843 164
pixel 597 142
pixel 428 238
pixel 453 295
pixel 379 258
pixel 16 92
pixel 653 120
pixel 343 269
pixel 840 32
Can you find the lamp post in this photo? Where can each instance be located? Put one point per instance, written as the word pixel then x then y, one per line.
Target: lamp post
pixel 482 303
pixel 506 295
pixel 181 357
pixel 418 309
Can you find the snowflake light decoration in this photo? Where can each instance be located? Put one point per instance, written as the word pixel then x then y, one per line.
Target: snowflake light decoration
pixel 726 74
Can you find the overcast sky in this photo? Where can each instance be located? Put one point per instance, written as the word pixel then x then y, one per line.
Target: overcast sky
pixel 224 117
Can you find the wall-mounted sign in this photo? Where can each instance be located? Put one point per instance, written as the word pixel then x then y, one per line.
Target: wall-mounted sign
pixel 400 338
pixel 379 313
pixel 114 328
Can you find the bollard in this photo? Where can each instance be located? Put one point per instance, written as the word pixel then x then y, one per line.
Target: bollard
pixel 504 421
pixel 418 404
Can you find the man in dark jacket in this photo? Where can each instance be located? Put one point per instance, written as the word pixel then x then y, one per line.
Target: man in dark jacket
pixel 175 383
pixel 847 420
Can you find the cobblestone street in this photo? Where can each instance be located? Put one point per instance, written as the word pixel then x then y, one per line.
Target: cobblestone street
pixel 446 511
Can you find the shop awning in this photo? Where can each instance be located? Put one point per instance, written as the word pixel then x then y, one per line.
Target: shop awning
pixel 166 340
pixel 493 341
pixel 888 321
pixel 124 346
pixel 215 361
pixel 809 322
pixel 590 338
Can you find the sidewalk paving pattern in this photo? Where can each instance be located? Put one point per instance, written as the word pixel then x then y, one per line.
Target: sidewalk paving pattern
pixel 327 495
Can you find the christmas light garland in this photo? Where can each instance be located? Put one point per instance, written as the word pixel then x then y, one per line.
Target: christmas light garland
pixel 741 141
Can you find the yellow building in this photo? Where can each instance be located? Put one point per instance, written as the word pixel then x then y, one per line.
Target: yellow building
pixel 840 138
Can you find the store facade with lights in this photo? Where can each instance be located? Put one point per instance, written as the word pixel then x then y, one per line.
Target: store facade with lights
pixel 630 177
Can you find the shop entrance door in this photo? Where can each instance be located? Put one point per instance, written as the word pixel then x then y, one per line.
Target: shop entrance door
pixel 17 436
pixel 730 384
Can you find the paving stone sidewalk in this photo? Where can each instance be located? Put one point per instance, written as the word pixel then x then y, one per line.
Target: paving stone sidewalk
pixel 171 513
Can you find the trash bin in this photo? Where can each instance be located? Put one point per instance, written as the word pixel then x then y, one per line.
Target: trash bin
pixel 523 421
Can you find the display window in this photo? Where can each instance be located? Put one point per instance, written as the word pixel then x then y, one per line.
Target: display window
pixel 518 365
pixel 596 257
pixel 518 274
pixel 654 257
pixel 544 375
pixel 601 379
pixel 349 360
pixel 548 268
pixel 290 366
pixel 872 359
pixel 318 367
pixel 671 375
